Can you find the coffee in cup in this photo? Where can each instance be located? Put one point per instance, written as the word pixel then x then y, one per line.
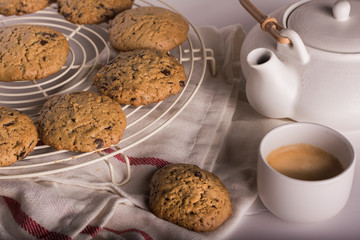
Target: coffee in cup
pixel 302 200
pixel 304 162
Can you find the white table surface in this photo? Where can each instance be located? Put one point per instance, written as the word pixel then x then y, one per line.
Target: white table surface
pixel 259 223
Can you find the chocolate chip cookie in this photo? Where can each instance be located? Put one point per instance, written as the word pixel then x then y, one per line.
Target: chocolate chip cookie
pixel 31 52
pixel 18 136
pixel 92 11
pixel 81 121
pixel 147 27
pixel 190 197
pixel 141 77
pixel 16 7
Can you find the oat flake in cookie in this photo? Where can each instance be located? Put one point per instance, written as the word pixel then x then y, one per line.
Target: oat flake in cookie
pixel 148 27
pixel 16 7
pixel 81 121
pixel 92 11
pixel 190 197
pixel 18 135
pixel 31 52
pixel 141 77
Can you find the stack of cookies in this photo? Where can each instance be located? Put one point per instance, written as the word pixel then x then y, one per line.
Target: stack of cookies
pixel 143 73
pixel 79 121
pixel 28 52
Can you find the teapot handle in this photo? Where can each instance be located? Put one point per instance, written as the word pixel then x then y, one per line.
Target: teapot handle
pixel 267 24
pixel 297 49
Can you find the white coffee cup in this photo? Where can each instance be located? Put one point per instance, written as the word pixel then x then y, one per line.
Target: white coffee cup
pixel 301 200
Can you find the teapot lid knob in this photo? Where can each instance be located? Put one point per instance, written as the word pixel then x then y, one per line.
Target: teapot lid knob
pixel 341 10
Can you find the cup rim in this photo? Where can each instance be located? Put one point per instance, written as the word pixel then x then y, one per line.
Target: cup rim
pixel 323 181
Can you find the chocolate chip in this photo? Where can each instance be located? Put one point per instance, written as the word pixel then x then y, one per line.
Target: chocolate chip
pixel 99 143
pixel 104 16
pixel 166 72
pixel 67 15
pixel 22 154
pixel 169 82
pixel 80 15
pixel 51 35
pixel 132 99
pixel 44 59
pixel 9 124
pixel 197 174
pixel 73 119
pixel 113 11
pixel 173 171
pixel 182 84
pixel 43 42
pixel 108 128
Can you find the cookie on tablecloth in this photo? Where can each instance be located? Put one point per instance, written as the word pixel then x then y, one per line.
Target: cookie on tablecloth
pixel 21 7
pixel 31 52
pixel 81 121
pixel 92 11
pixel 190 197
pixel 18 135
pixel 141 77
pixel 147 27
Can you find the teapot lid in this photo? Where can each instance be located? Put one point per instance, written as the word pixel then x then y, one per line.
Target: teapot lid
pixel 328 25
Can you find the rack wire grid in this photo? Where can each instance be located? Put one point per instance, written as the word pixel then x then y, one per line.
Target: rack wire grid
pixel 89 50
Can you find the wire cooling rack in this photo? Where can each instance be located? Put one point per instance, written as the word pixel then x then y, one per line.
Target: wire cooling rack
pixel 89 50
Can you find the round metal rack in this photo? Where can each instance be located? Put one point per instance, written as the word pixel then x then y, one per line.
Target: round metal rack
pixel 89 50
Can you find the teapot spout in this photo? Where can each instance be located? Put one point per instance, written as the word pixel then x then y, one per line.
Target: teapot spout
pixel 271 86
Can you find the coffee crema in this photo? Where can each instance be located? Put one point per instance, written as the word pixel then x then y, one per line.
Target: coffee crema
pixel 304 162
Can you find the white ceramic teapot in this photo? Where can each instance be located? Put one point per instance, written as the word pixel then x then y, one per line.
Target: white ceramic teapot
pixel 312 71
